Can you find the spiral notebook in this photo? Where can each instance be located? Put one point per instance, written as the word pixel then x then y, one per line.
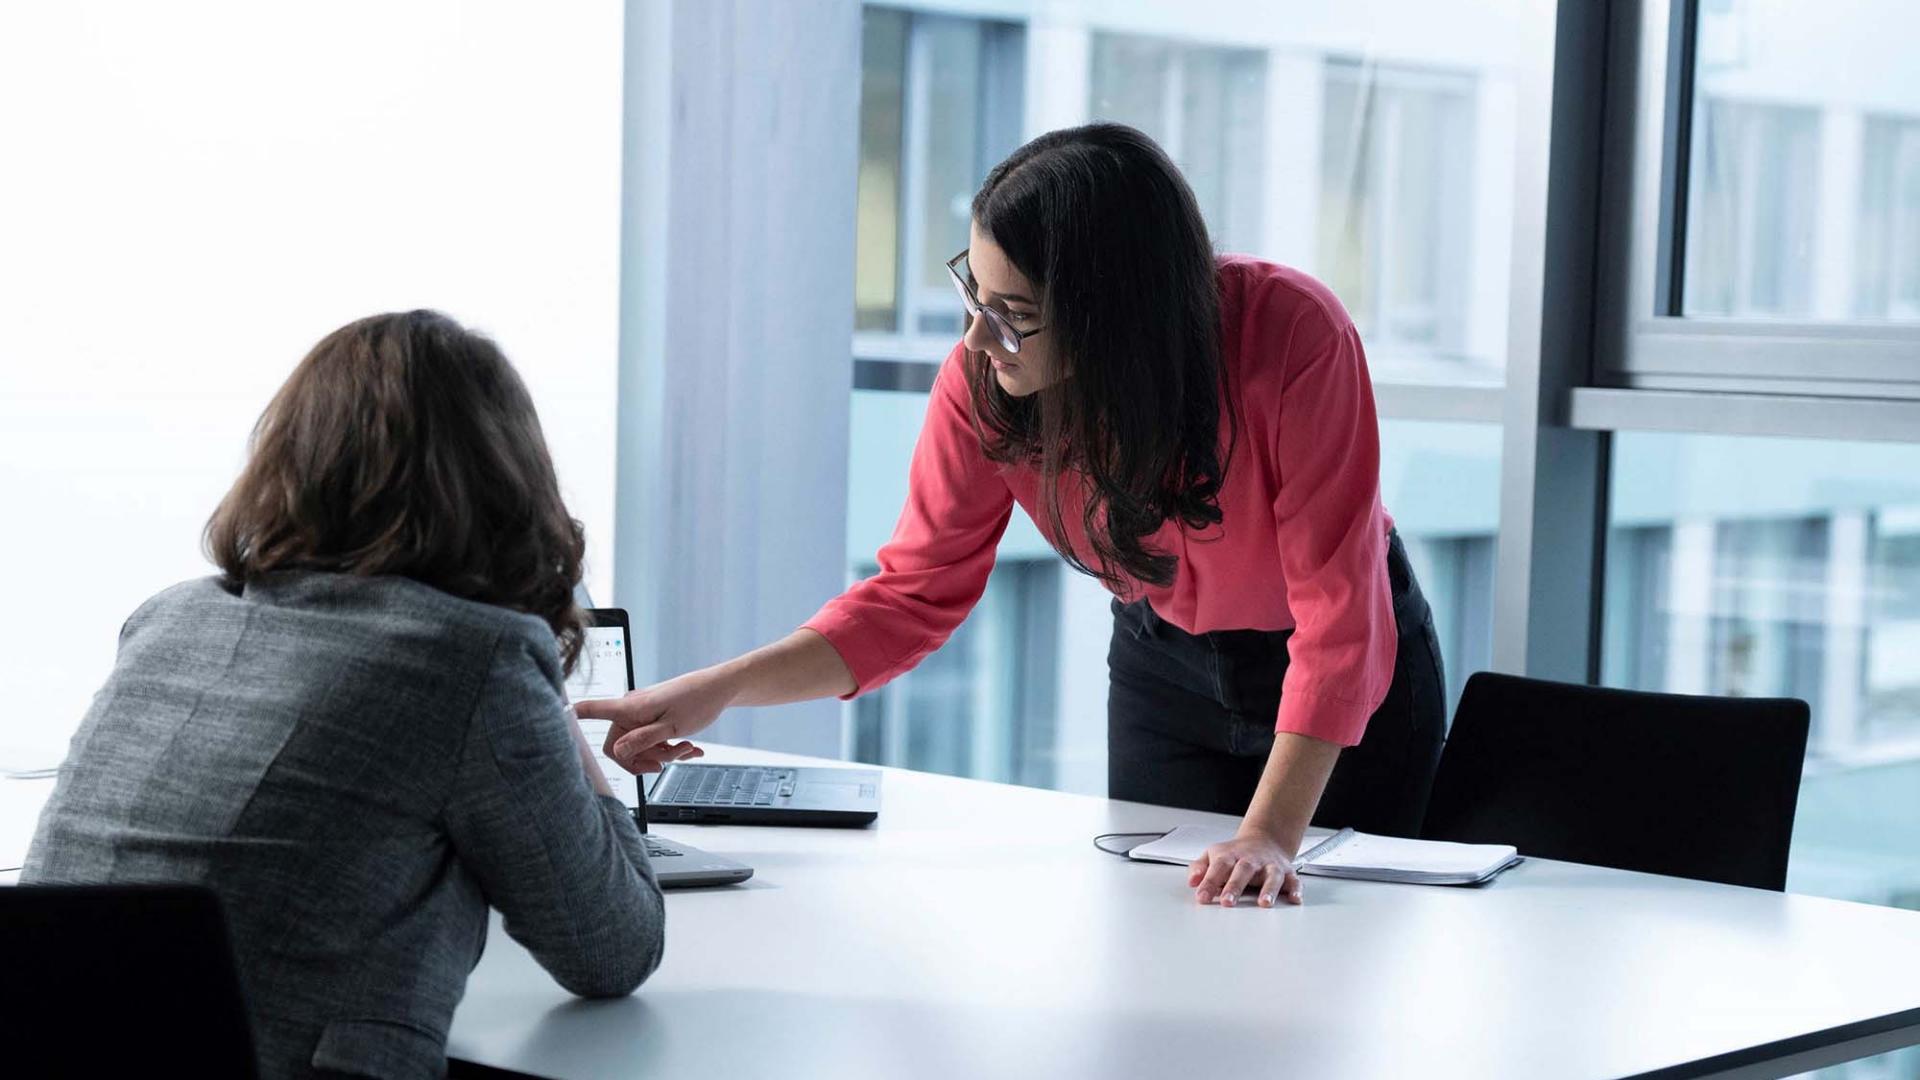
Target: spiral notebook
pixel 1356 856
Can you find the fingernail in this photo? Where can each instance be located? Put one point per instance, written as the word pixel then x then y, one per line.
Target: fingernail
pixel 1226 901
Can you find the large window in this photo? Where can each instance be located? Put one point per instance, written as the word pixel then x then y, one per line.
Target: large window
pixel 1390 175
pixel 1791 568
pixel 1803 175
pixel 1441 482
pixel 1888 284
pixel 1759 265
pixel 1395 220
pixel 1204 105
pixel 1751 220
pixel 1018 693
pixel 981 705
pixel 1769 231
pixel 1374 190
pixel 940 103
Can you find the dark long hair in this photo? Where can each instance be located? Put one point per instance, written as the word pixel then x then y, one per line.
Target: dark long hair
pixel 406 444
pixel 1108 231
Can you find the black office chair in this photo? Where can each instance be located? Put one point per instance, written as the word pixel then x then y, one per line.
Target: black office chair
pixel 1694 787
pixel 130 980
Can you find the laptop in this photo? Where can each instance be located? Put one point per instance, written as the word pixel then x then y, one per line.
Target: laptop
pixel 605 670
pixel 765 795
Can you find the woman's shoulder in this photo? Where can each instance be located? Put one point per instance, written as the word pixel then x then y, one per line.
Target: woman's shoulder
pixel 519 646
pixel 349 592
pixel 190 599
pixel 1257 290
pixel 1277 321
pixel 384 606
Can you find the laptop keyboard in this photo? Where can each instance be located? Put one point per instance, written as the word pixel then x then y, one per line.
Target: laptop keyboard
pixel 656 849
pixel 726 785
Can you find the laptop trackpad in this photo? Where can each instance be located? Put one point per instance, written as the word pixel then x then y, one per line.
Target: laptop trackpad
pixel 826 792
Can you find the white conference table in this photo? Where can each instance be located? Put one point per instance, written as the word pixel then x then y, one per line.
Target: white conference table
pixel 974 931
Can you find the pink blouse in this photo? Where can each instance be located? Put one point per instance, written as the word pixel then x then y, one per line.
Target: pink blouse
pixel 1303 544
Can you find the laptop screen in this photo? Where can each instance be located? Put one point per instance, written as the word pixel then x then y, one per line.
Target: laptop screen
pixel 602 673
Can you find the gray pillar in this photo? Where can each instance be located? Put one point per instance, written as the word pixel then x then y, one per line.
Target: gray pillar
pixel 740 145
pixel 1553 480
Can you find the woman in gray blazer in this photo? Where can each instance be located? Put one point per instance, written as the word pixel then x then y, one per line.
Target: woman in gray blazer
pixel 356 734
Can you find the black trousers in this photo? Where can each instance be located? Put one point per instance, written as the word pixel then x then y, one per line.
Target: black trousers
pixel 1190 717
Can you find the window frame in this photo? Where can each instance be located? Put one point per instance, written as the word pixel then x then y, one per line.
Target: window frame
pixel 1646 343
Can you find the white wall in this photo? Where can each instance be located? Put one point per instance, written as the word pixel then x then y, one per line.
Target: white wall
pixel 194 192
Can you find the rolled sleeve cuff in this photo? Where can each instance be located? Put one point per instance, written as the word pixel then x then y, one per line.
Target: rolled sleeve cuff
pixel 1322 716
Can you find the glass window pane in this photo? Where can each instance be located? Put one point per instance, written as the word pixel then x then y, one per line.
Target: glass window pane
pixel 1346 228
pixel 953 165
pixel 1750 226
pixel 1888 284
pixel 1803 191
pixel 1381 159
pixel 876 267
pixel 1395 194
pixel 984 704
pixel 1391 180
pixel 1784 567
pixel 1129 82
pixel 1206 107
pixel 941 104
pixel 1441 483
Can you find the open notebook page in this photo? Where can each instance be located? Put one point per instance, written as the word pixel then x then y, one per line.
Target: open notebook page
pixel 1362 850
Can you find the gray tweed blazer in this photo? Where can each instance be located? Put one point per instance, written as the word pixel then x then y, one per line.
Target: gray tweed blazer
pixel 359 767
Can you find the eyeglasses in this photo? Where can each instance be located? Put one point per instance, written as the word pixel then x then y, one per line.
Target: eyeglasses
pixel 1003 331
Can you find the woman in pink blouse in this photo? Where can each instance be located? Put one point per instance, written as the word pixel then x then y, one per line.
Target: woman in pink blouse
pixel 1199 434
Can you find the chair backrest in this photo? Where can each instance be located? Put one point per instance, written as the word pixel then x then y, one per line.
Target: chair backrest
pixel 120 980
pixel 1694 787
